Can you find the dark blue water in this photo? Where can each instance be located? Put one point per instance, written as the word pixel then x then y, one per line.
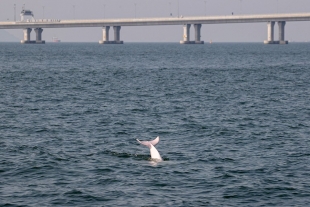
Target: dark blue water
pixel 233 121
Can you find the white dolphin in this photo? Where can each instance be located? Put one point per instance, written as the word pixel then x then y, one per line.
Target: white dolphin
pixel 154 153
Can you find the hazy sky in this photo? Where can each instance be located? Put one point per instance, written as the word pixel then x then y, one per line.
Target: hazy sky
pixel 99 9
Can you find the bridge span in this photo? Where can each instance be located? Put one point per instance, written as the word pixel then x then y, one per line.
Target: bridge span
pixel 270 19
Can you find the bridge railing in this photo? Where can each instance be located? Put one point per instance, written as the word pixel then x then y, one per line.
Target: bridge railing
pixel 39 20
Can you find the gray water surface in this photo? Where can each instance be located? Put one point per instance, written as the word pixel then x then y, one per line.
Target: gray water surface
pixel 233 121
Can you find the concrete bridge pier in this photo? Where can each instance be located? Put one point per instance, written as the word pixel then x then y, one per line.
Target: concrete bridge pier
pixel 117 35
pixel 198 34
pixel 270 33
pixel 26 39
pixel 105 35
pixel 39 36
pixel 282 40
pixel 186 35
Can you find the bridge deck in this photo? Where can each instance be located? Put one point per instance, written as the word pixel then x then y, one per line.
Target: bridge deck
pixel 157 21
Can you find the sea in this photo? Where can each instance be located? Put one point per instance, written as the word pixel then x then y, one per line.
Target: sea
pixel 233 121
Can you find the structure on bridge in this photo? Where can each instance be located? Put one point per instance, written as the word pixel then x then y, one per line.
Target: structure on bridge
pixel 30 23
pixel 27 16
pixel 186 35
pixel 27 39
pixel 270 35
pixel 105 35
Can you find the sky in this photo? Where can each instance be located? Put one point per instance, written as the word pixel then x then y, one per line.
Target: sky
pixel 101 9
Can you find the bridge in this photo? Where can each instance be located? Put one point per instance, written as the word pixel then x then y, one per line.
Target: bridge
pixel 270 19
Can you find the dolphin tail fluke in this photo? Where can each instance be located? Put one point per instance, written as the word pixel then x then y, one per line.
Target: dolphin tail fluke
pixel 155 141
pixel 147 143
pixel 150 144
